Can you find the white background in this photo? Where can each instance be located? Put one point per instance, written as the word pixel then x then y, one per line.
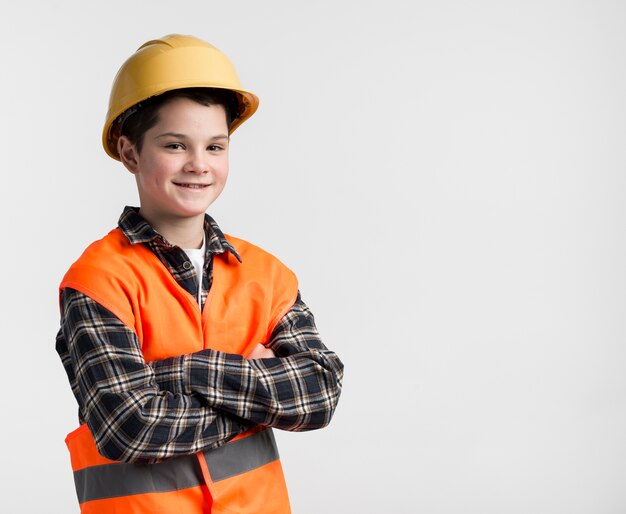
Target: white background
pixel 447 180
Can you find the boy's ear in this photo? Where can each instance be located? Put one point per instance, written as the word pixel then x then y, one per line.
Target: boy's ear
pixel 128 153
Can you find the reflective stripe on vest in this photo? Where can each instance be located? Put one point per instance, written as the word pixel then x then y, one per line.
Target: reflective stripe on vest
pixel 242 455
pixel 124 479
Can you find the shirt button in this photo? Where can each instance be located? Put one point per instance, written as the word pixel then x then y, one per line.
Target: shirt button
pixel 187 265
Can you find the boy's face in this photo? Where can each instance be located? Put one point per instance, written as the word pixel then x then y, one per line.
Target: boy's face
pixel 183 164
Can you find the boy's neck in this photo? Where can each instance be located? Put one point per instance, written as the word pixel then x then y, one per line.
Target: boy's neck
pixel 182 232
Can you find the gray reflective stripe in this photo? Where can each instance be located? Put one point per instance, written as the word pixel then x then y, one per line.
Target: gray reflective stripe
pixel 122 479
pixel 243 455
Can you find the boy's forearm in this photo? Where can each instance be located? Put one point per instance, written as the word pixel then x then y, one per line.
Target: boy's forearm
pixel 299 390
pixel 291 393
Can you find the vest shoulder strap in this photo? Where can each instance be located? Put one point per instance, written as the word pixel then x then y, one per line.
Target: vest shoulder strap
pixel 106 272
pixel 278 283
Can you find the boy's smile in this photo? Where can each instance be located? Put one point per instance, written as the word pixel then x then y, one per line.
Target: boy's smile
pixel 183 164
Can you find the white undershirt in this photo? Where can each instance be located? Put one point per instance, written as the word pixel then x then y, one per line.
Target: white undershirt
pixel 196 256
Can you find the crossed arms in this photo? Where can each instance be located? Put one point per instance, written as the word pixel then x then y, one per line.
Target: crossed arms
pixel 146 412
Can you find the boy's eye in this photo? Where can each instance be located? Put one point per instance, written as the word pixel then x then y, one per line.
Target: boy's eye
pixel 214 148
pixel 174 146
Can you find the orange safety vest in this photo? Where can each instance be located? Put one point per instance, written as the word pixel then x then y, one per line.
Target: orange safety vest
pixel 245 303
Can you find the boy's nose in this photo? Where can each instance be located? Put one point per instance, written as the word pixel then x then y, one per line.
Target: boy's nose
pixel 197 163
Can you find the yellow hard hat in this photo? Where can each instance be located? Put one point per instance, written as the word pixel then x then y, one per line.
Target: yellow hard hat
pixel 171 62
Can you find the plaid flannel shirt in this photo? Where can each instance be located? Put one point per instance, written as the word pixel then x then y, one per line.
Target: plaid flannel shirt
pixel 146 412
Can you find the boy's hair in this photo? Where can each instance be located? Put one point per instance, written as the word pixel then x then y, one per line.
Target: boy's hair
pixel 146 113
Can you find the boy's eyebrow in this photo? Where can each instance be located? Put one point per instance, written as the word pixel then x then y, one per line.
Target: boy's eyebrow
pixel 182 136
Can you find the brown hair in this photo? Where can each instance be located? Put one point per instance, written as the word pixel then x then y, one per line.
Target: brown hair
pixel 146 113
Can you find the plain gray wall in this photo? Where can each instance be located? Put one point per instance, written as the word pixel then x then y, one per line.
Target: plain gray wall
pixel 447 180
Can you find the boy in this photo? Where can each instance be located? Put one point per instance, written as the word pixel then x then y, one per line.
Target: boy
pixel 183 346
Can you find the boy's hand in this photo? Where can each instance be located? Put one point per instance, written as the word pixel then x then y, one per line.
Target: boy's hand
pixel 261 352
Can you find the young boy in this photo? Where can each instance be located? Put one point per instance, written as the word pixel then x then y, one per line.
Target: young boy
pixel 183 346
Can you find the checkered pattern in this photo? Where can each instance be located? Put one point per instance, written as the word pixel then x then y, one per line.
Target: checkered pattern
pixel 146 412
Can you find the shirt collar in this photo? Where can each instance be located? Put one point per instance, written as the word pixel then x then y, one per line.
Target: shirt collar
pixel 138 230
